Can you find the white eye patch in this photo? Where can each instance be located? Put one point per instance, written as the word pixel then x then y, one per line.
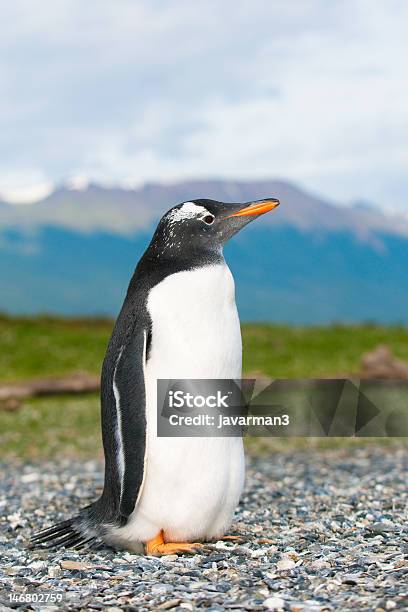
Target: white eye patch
pixel 187 211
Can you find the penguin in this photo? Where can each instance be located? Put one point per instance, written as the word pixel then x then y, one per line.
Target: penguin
pixel 179 320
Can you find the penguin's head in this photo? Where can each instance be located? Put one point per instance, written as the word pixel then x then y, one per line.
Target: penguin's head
pixel 205 225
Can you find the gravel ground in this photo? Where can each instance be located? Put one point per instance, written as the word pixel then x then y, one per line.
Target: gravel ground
pixel 321 531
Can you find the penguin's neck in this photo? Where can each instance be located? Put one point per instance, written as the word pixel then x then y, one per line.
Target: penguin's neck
pixel 195 325
pixel 159 264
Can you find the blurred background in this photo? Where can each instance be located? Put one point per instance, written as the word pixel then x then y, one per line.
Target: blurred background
pixel 111 113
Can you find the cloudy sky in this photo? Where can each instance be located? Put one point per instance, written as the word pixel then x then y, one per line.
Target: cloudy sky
pixel 132 91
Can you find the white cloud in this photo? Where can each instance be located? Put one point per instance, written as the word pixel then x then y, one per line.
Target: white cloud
pixel 154 90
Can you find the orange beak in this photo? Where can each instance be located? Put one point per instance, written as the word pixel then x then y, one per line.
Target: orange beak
pixel 256 208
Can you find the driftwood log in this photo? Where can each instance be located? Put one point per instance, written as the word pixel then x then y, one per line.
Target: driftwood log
pixel 11 394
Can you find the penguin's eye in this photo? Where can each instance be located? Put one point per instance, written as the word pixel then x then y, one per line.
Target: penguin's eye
pixel 208 219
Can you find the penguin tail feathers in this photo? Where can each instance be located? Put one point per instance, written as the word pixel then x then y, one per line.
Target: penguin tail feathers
pixel 77 532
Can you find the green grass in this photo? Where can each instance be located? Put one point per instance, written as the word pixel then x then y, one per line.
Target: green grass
pixel 43 346
pixel 46 427
pixel 313 352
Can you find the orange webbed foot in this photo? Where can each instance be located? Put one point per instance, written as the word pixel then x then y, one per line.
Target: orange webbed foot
pixel 157 546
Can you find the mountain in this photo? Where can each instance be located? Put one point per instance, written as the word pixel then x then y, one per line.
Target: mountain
pixel 127 211
pixel 309 261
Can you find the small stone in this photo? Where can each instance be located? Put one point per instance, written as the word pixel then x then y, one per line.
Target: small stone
pixel 131 558
pixel 274 603
pixel 261 552
pixel 215 558
pixel 223 587
pixel 285 564
pixel 266 541
pixel 14 520
pixel 170 558
pixel 161 588
pixel 198 586
pixel 13 571
pixel 30 477
pixel 74 565
pixel 167 605
pixel 381 528
pixel 292 555
pixel 320 564
pixel 351 579
pixel 38 565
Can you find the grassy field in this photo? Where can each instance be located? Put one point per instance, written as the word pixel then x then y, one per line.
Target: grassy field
pixel 45 346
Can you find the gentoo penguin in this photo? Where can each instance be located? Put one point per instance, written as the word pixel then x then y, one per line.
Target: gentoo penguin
pixel 178 321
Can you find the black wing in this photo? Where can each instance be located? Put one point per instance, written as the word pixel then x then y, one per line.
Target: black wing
pixel 123 399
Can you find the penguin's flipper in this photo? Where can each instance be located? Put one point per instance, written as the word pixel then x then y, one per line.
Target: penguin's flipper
pixel 124 423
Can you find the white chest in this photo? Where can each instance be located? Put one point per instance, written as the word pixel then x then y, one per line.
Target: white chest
pixel 195 326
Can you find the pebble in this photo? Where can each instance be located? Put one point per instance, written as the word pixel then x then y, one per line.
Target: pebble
pixel 321 531
pixel 161 588
pixel 74 565
pixel 274 603
pixel 285 564
pixel 167 605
